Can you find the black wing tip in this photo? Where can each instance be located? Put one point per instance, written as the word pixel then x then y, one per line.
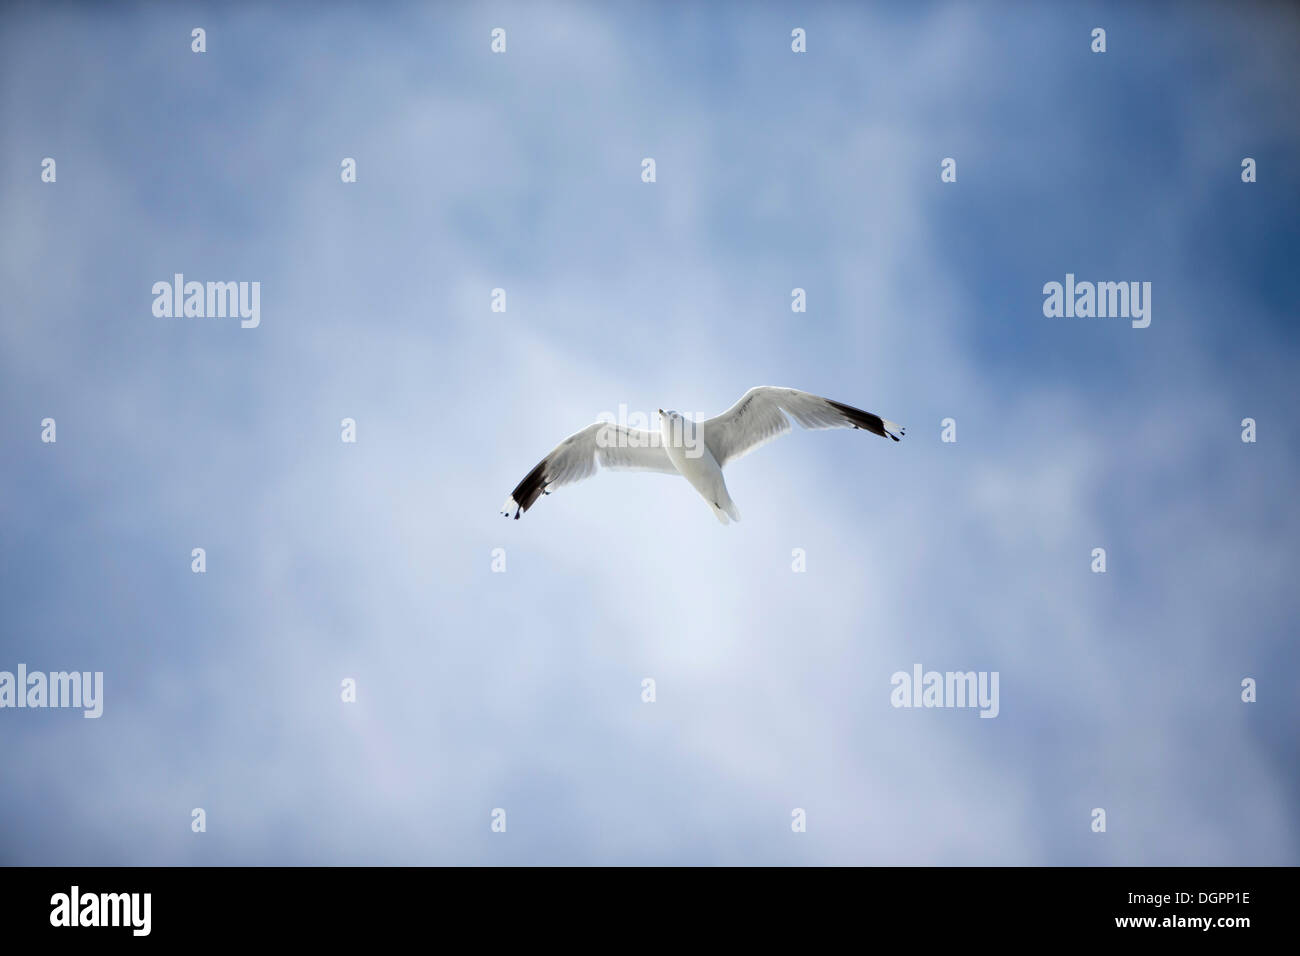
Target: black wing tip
pixel 527 491
pixel 867 421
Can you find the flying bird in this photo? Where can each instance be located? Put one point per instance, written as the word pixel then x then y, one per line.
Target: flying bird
pixel 698 451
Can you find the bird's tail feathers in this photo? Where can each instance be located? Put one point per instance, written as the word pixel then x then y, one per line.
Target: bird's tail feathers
pixel 725 511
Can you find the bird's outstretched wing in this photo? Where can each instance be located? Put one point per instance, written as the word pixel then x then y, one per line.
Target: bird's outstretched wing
pixel 760 416
pixel 582 454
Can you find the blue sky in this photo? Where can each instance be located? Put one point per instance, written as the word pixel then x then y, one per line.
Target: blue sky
pixel 522 690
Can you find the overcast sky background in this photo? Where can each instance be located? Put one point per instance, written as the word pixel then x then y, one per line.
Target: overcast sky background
pixel 521 690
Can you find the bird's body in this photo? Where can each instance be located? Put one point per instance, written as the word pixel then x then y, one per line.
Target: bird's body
pixel 697 451
pixel 702 471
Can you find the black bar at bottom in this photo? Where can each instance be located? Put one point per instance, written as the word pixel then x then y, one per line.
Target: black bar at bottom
pixel 375 905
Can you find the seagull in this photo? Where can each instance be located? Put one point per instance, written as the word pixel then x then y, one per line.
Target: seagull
pixel 698 451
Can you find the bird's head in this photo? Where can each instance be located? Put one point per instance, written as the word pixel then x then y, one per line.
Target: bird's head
pixel 679 432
